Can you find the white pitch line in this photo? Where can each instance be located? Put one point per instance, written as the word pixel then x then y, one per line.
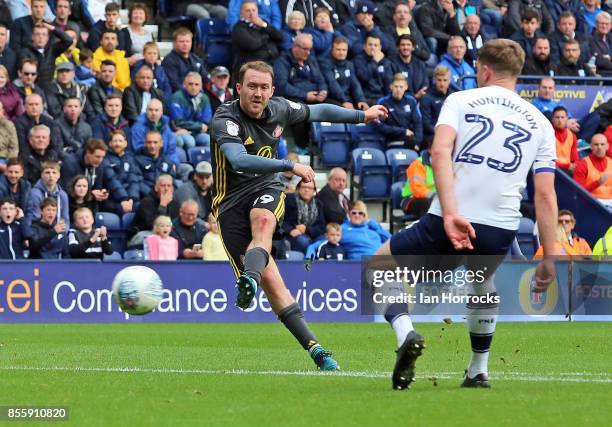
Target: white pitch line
pixel 575 377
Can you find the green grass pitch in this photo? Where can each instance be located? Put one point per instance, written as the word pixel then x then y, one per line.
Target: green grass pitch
pixel 543 374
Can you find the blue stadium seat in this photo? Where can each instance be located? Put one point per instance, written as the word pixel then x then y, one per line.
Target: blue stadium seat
pixel 181 155
pixel 198 154
pixel 333 143
pixel 365 136
pixel 295 256
pixel 526 240
pixel 134 255
pixel 206 28
pixel 399 159
pixel 115 256
pixel 219 52
pixel 371 174
pixel 126 220
pixel 116 233
pixel 164 7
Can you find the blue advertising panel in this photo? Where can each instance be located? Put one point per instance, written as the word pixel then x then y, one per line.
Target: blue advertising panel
pixel 579 100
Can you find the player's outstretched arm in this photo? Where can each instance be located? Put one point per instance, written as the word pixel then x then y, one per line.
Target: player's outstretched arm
pixel 335 114
pixel 545 200
pixel 457 228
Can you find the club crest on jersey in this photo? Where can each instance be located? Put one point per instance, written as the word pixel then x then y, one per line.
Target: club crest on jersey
pixel 232 128
pixel 277 132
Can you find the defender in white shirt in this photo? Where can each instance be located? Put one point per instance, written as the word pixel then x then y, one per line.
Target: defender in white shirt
pixel 486 142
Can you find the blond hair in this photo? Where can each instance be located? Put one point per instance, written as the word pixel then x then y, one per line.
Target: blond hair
pixel 441 70
pixel 161 220
pixel 360 205
pixel 333 226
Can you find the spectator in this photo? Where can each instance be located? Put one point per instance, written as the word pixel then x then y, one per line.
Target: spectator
pixel 463 10
pixel 544 101
pixel 24 23
pixel 201 10
pixel 103 87
pixel 151 58
pixel 304 220
pixel 360 236
pixel 84 73
pixel 26 82
pixel 217 89
pixel 191 113
pixel 340 75
pixel 335 204
pixel 37 152
pixel 323 33
pixel 9 144
pixel 374 70
pixel 65 87
pixel 420 187
pixel 158 202
pixel 160 246
pixel 62 15
pixel 152 162
pixel 562 246
pixel 123 163
pixel 566 30
pixel 12 106
pixel 341 11
pixel 72 53
pixel 491 14
pixel 44 52
pixel 413 69
pixel 357 31
pixel 268 11
pixel 47 186
pixel 403 126
pixel 188 231
pixel 526 35
pixel 463 75
pixel 79 195
pixel 137 97
pixel 516 8
pixel 295 25
pixel 567 142
pixel 110 195
pixel 590 10
pixel 253 39
pixel 403 24
pixel 570 64
pixel 12 232
pixel 110 120
pixel 153 119
pixel 601 44
pixel 111 22
pixel 85 241
pixel 138 15
pixel 436 20
pixel 603 247
pixel 8 57
pixel 288 178
pixel 198 189
pixel 212 246
pixel 71 130
pixel 81 15
pixel 474 38
pixel 108 51
pixel 33 116
pixel 47 238
pixel 539 63
pixel 594 173
pixel 431 103
pixel 331 247
pixel 181 61
pixel 14 186
pixel 568 222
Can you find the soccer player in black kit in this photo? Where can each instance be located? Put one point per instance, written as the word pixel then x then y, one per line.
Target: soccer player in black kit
pixel 248 200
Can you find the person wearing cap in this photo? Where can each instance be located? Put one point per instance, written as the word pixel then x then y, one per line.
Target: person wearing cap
pixel 217 89
pixel 188 230
pixel 357 32
pixel 108 51
pixel 44 52
pixel 190 113
pixel 64 87
pixel 198 189
pixel 254 39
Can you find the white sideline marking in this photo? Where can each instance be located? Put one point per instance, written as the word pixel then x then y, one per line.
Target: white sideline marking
pixel 576 377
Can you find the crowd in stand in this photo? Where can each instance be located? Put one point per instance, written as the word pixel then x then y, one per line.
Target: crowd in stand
pixel 92 119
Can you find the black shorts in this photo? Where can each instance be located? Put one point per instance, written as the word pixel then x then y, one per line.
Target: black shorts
pixel 235 223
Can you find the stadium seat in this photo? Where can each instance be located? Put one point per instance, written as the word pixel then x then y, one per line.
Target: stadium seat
pixel 295 256
pixel 134 255
pixel 164 7
pixel 399 159
pixel 198 154
pixel 525 237
pixel 182 155
pixel 219 52
pixel 115 256
pixel 371 174
pixel 332 141
pixel 213 37
pixel 126 220
pixel 206 28
pixel 364 136
pixel 116 233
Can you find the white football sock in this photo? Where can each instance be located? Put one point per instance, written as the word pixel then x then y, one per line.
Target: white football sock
pixel 402 325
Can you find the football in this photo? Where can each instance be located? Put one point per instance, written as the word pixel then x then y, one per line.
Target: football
pixel 137 289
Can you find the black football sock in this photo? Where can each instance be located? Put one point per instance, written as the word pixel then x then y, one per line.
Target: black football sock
pixel 293 319
pixel 255 260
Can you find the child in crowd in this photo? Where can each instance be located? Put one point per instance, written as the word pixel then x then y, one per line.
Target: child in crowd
pixel 79 195
pixel 211 244
pixel 12 236
pixel 83 72
pixel 48 236
pixel 160 246
pixel 85 241
pixel 331 248
pixel 47 186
